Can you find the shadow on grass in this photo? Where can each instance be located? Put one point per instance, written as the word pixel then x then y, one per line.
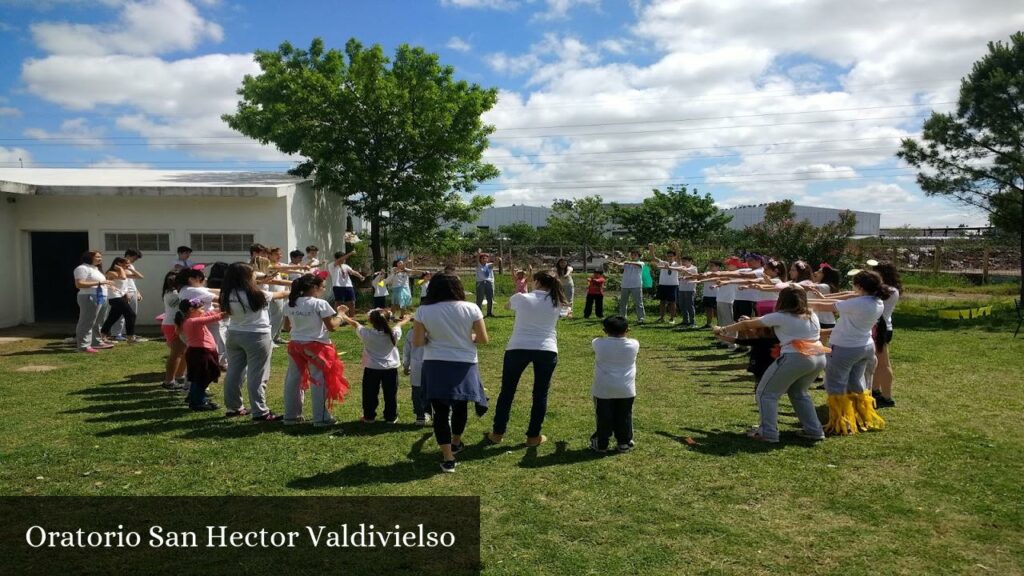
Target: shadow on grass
pixel 45 350
pixel 560 457
pixel 718 442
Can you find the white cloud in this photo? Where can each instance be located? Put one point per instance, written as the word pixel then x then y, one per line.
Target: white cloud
pixel 458 44
pixel 9 111
pixel 115 162
pixel 559 9
pixel 75 130
pixel 145 27
pixel 14 157
pixel 487 4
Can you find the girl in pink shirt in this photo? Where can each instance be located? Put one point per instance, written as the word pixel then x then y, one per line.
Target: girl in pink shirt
pixel 201 358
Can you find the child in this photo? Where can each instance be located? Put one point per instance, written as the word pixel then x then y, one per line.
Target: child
pixel 380 363
pixel 174 370
pixel 182 262
pixel 401 293
pixel 380 289
pixel 710 299
pixel 312 358
pixel 595 294
pixel 521 281
pixel 764 347
pixel 341 281
pixel 424 283
pixel 614 386
pixel 412 366
pixel 201 354
pixel 687 291
pixel 311 259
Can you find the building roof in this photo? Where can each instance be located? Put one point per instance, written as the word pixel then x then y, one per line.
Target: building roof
pixel 133 182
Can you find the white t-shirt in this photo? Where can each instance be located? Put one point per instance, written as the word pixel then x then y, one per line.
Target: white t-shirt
pixel 824 317
pixel 789 327
pixel 727 293
pixel 379 352
pixel 179 263
pixel 276 287
pixel 423 288
pixel 668 277
pixel 856 318
pixel 246 319
pixel 380 285
pixel 201 292
pixel 614 367
pixel 307 318
pixel 90 273
pixel 710 290
pixel 399 279
pixel 485 272
pixel 632 276
pixel 118 288
pixel 130 287
pixel 749 295
pixel 889 305
pixel 772 295
pixel 536 318
pixel 171 301
pixel 687 285
pixel 340 275
pixel 567 279
pixel 449 326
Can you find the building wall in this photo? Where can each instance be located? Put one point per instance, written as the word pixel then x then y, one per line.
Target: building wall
pixel 265 218
pixel 494 217
pixel 868 223
pixel 315 217
pixel 10 245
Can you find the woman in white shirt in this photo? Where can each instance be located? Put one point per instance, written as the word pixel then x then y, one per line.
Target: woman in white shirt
pixel 793 373
pixel 249 344
pixel 313 362
pixel 450 329
pixel 850 405
pixel 881 384
pixel 92 295
pixel 535 341
pixel 118 300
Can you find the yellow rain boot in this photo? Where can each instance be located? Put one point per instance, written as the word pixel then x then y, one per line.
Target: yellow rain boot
pixel 867 417
pixel 842 418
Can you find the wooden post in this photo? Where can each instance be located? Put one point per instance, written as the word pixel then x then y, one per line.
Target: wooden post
pixel 938 258
pixel 895 257
pixel 984 264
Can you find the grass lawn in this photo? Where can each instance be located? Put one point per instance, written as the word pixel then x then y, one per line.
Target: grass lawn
pixel 938 492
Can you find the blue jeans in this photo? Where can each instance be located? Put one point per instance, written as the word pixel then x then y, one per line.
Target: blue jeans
pixel 485 290
pixel 516 361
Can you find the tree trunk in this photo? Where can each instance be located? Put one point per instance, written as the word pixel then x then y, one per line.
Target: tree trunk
pixel 375 241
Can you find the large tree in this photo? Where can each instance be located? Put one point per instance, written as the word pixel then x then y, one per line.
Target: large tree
pixel 400 140
pixel 781 235
pixel 581 221
pixel 675 214
pixel 976 155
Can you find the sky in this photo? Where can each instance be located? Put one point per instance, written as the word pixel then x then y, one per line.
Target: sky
pixel 748 101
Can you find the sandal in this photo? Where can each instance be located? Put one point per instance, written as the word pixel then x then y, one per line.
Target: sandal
pixel 268 417
pixel 755 434
pixel 234 413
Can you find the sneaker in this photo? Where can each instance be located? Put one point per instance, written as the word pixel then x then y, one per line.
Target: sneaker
pixel 279 342
pixel 448 466
pixel 392 421
pixel 803 434
pixel 421 421
pixel 627 446
pixel 268 417
pixel 89 350
pixel 293 421
pixel 366 420
pixel 204 407
pixel 325 423
pixel 456 448
pixel 595 447
pixel 120 339
pixel 234 413
pixel 169 386
pixel 103 346
pixel 883 402
pixel 137 340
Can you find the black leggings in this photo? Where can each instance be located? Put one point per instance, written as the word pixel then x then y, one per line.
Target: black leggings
pixel 119 307
pixel 443 429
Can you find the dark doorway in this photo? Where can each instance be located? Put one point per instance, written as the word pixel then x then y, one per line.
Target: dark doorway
pixel 54 256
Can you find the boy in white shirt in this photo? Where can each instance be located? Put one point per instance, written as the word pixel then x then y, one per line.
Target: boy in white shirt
pixel 614 386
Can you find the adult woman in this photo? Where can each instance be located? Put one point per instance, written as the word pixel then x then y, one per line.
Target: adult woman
pixel 533 341
pixel 118 300
pixel 249 344
pixel 794 371
pixel 450 329
pixel 92 295
pixel 563 273
pixel 850 405
pixel 881 385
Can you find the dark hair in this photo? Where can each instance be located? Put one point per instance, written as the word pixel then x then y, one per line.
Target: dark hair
pixel 615 325
pixel 716 263
pixel 184 307
pixel 310 248
pixel 185 274
pixel 553 286
pixel 872 285
pixel 257 248
pixel 395 263
pixel 239 280
pixel 381 321
pixel 170 282
pixel 670 253
pixel 295 254
pixel 689 258
pixel 803 271
pixel 119 261
pixel 889 275
pixel 338 254
pixel 599 271
pixel 778 267
pixel 88 255
pixel 831 277
pixel 133 253
pixel 181 249
pixel 217 272
pixel 302 285
pixel 793 300
pixel 633 250
pixel 444 288
pixel 559 269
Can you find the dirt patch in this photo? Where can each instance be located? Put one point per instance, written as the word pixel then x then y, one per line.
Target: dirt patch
pixel 9 339
pixel 35 368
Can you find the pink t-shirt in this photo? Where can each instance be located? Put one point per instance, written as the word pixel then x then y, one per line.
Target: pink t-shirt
pixel 521 285
pixel 197 335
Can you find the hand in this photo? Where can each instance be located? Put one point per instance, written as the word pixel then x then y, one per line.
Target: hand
pixel 341 309
pixel 139 296
pixel 405 370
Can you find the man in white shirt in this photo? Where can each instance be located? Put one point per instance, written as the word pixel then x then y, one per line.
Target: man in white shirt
pixel 632 285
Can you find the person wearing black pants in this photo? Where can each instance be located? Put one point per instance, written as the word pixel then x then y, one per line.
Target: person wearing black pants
pixel 614 387
pixel 373 381
pixel 444 427
pixel 614 417
pixel 119 305
pixel 535 341
pixel 595 294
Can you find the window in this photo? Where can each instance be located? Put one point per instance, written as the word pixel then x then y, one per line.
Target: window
pixel 221 242
pixel 144 242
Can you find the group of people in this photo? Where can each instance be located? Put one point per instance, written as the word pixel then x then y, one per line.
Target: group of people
pixel 230 322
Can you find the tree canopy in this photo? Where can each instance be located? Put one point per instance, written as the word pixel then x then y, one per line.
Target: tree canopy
pixel 581 221
pixel 673 214
pixel 781 235
pixel 401 141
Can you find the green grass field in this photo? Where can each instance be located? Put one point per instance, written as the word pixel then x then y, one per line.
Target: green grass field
pixel 938 492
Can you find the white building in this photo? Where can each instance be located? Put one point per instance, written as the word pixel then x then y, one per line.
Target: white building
pixel 868 223
pixel 493 217
pixel 49 217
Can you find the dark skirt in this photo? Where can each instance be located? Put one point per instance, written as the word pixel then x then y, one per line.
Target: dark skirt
pixel 450 381
pixel 202 364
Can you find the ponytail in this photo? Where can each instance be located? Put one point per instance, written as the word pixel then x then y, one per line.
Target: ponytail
pixel 871 283
pixel 379 319
pixel 553 286
pixel 301 287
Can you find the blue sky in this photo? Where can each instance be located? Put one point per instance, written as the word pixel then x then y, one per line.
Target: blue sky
pixel 751 102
